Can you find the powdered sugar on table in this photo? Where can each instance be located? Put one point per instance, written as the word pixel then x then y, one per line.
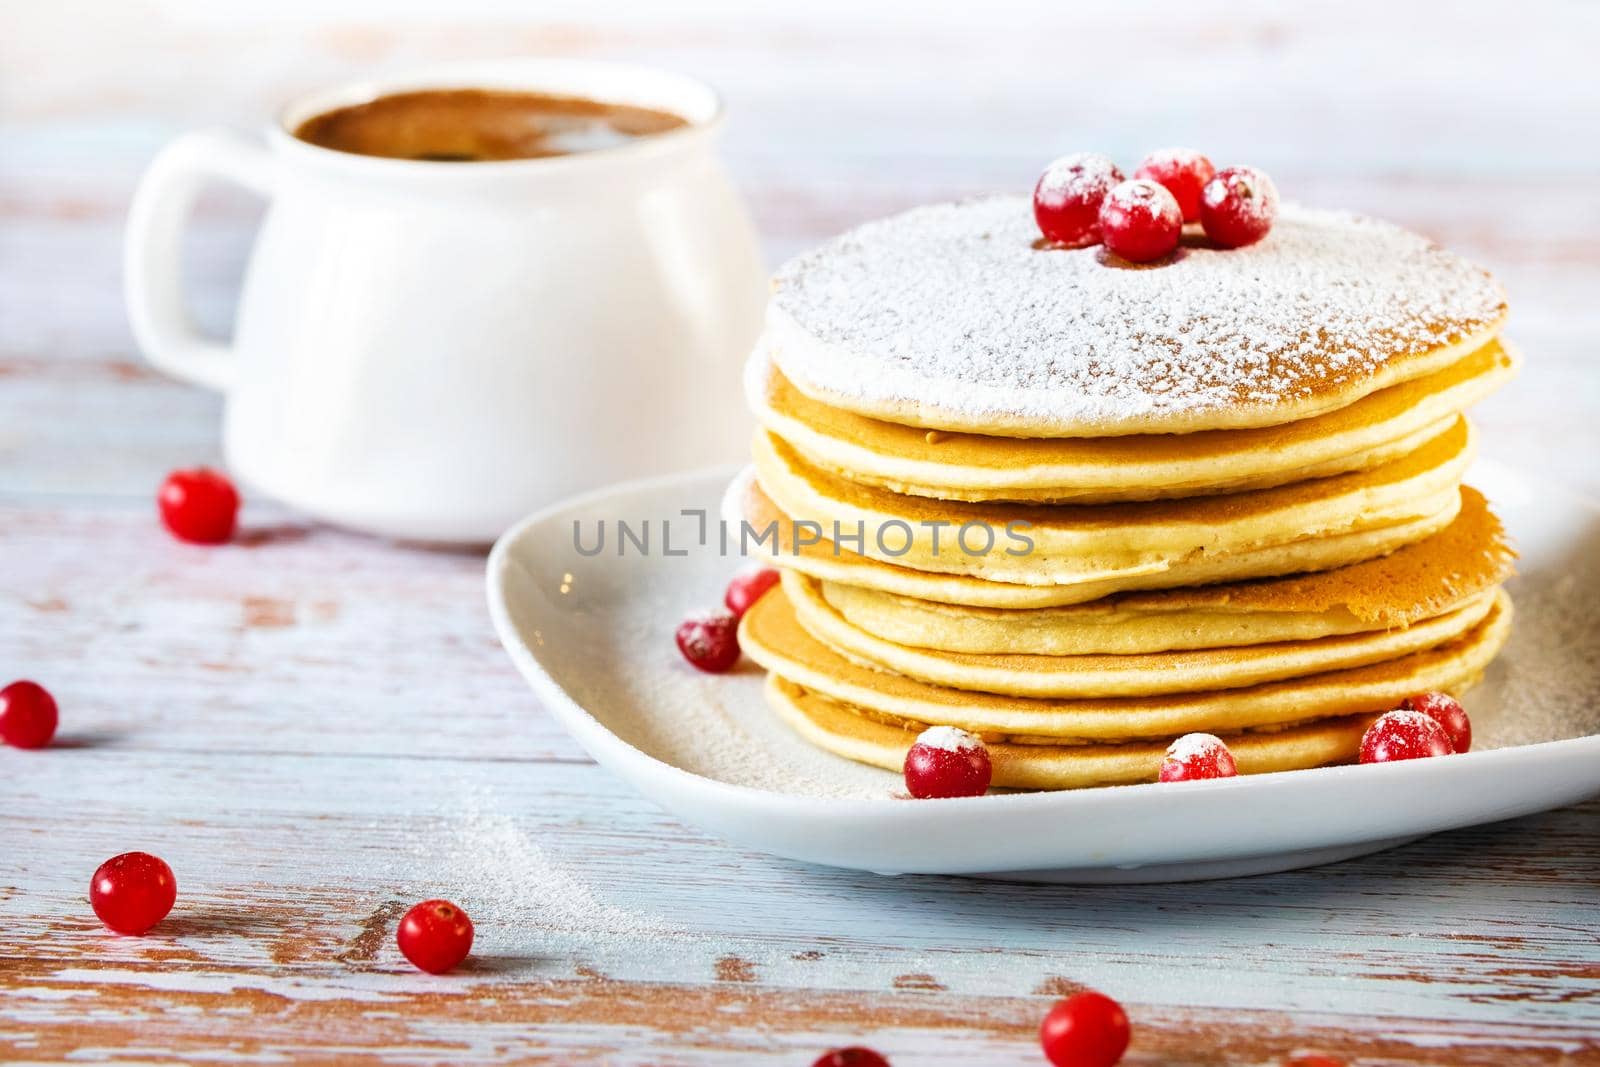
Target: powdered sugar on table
pixel 953 309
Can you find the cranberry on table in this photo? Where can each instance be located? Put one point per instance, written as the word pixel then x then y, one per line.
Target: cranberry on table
pixel 947 762
pixel 1085 1030
pixel 1066 200
pixel 1237 206
pixel 200 506
pixel 1196 756
pixel 28 715
pixel 747 587
pixel 132 892
pixel 1447 711
pixel 710 640
pixel 854 1056
pixel 1312 1060
pixel 1402 735
pixel 1140 221
pixel 435 936
pixel 1183 172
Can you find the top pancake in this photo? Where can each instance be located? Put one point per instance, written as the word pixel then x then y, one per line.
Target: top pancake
pixel 949 317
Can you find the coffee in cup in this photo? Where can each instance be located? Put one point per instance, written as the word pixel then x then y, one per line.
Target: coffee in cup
pixel 482 125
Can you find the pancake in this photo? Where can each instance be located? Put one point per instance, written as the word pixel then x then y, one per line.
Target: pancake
pixel 772 636
pixel 762 527
pixel 957 317
pixel 1144 674
pixel 958 466
pixel 1071 544
pixel 846 732
pixel 1419 581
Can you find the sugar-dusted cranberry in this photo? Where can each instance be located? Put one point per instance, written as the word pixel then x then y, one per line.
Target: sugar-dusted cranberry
pixel 947 762
pixel 28 715
pixel 747 587
pixel 854 1056
pixel 199 505
pixel 1447 711
pixel 1085 1030
pixel 1183 172
pixel 1140 221
pixel 132 892
pixel 1399 735
pixel 1066 201
pixel 1237 206
pixel 435 936
pixel 1195 756
pixel 710 640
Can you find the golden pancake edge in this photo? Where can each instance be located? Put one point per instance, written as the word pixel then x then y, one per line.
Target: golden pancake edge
pixel 1417 581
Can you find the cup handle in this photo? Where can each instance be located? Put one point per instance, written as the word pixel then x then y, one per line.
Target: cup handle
pixel 152 256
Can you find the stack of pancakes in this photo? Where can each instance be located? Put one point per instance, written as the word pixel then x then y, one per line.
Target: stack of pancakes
pixel 1080 508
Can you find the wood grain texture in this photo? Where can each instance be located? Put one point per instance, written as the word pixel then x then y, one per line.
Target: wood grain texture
pixel 317 728
pixel 293 868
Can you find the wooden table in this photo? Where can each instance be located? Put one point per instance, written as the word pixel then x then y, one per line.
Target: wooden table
pixel 316 728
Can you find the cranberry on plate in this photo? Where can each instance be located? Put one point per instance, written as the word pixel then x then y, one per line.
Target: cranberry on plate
pixel 1196 756
pixel 710 640
pixel 947 762
pixel 1402 735
pixel 747 587
pixel 1447 711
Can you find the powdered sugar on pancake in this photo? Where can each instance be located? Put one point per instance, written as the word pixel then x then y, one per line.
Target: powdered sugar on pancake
pixel 951 309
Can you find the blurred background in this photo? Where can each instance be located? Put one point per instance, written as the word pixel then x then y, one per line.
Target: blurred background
pixel 1476 123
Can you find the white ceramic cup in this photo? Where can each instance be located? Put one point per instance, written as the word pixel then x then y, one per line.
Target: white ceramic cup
pixel 429 350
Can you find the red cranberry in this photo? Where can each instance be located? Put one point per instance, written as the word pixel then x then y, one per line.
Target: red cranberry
pixel 947 762
pixel 1399 735
pixel 1195 756
pixel 27 715
pixel 435 936
pixel 1447 711
pixel 1312 1060
pixel 1085 1030
pixel 747 587
pixel 1237 206
pixel 200 506
pixel 1140 221
pixel 710 640
pixel 1066 201
pixel 1183 172
pixel 854 1056
pixel 132 892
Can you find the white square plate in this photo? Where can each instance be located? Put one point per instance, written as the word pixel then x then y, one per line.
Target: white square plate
pixel 593 636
